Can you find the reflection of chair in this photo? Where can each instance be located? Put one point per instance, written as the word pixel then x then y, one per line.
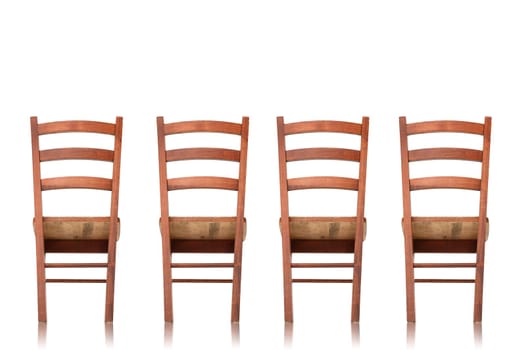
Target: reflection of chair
pixel 202 234
pixel 322 234
pixel 444 234
pixel 76 234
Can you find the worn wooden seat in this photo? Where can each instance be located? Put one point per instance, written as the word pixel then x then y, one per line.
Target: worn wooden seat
pixel 445 234
pixel 209 228
pixel 202 234
pixel 316 234
pixel 76 234
pixel 78 228
pixel 447 228
pixel 321 228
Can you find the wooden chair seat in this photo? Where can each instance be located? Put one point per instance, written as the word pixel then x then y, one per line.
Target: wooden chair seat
pixel 447 228
pixel 195 228
pixel 320 228
pixel 78 228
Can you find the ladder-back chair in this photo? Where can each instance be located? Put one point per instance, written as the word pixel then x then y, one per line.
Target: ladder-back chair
pixel 202 234
pixel 322 234
pixel 76 234
pixel 439 234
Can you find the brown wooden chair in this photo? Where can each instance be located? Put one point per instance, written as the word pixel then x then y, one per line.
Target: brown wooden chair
pixel 322 234
pixel 202 234
pixel 76 234
pixel 444 234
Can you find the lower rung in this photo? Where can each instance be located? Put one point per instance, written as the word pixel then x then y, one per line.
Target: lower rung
pixel 75 265
pixel 201 265
pixel 431 280
pixel 190 280
pixel 305 280
pixel 321 265
pixel 56 280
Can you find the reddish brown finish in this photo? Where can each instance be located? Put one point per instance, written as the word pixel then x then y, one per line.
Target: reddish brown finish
pixel 412 245
pixel 290 246
pixel 169 245
pixel 44 246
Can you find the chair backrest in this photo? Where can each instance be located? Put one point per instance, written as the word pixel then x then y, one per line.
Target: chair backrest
pixel 442 153
pixel 303 154
pixel 75 153
pixel 201 153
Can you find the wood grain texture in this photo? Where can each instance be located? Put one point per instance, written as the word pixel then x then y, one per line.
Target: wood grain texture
pixel 202 126
pixel 76 126
pixel 202 153
pixel 204 182
pixel 445 182
pixel 78 182
pixel 323 153
pixel 445 126
pixel 445 153
pixel 76 153
pixel 322 126
pixel 327 182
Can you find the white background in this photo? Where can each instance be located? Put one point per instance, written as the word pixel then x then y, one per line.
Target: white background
pixel 225 59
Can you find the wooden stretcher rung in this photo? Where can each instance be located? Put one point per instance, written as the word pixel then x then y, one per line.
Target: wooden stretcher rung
pixel 57 280
pixel 321 265
pixel 191 280
pixel 445 265
pixel 438 280
pixel 202 265
pixel 76 265
pixel 307 280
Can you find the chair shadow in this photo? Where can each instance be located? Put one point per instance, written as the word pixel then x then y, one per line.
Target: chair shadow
pixel 235 334
pixel 412 333
pixel 288 335
pixel 42 335
pixel 108 334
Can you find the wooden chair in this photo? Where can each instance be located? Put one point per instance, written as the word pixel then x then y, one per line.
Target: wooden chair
pixel 444 234
pixel 76 234
pixel 202 234
pixel 322 234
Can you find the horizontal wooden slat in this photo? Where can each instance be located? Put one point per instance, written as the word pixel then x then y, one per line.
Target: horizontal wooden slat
pixel 77 246
pixel 322 265
pixel 87 182
pixel 201 246
pixel 445 126
pixel 323 126
pixel 453 182
pixel 63 280
pixel 444 265
pixel 321 246
pixel 323 153
pixel 445 153
pixel 202 126
pixel 75 265
pixel 202 265
pixel 209 182
pixel 76 153
pixel 444 246
pixel 202 153
pixel 334 182
pixel 76 126
pixel 439 280
pixel 314 280
pixel 193 280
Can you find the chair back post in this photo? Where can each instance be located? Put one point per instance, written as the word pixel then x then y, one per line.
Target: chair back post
pixel 240 213
pixel 165 230
pixel 406 222
pixel 285 233
pixel 37 195
pixel 481 236
pixel 360 217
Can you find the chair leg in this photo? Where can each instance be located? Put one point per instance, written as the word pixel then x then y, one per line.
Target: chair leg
pixel 236 283
pixel 110 281
pixel 357 282
pixel 287 284
pixel 479 278
pixel 410 281
pixel 167 281
pixel 41 283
